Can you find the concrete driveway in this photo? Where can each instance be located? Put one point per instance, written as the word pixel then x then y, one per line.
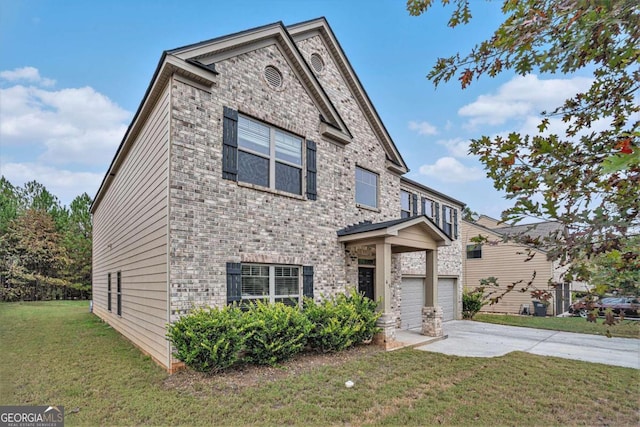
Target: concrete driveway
pixel 476 339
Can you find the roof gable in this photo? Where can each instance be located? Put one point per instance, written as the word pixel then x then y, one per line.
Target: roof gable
pixel 205 54
pixel 321 27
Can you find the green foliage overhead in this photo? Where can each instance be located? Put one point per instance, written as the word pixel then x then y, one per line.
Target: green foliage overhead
pixel 588 176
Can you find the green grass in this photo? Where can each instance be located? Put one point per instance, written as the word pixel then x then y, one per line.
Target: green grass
pixel 57 353
pixel 623 329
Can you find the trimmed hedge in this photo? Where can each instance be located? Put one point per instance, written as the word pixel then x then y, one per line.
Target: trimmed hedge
pixel 274 332
pixel 341 322
pixel 211 340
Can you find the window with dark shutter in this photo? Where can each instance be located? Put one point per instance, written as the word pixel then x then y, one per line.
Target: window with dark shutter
pixel 455 223
pixel 437 212
pixel 405 204
pixel 307 281
pixel 109 292
pixel 415 204
pixel 234 282
pixel 230 144
pixel 312 192
pixel 119 293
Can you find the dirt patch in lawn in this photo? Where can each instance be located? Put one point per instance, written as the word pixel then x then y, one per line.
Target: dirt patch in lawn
pixel 201 385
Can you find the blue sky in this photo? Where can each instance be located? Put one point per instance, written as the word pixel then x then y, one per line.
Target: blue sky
pixel 72 73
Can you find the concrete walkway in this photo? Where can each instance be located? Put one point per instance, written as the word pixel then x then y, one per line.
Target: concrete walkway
pixel 476 339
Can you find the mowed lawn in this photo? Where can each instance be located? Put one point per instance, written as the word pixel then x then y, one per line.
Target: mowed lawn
pixel 56 353
pixel 623 329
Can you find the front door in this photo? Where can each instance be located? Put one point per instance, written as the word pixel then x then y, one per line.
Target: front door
pixel 365 282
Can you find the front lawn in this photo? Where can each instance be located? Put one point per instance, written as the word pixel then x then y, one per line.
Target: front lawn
pixel 624 329
pixel 57 353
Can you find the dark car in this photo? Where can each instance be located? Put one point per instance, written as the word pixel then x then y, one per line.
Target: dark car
pixel 629 306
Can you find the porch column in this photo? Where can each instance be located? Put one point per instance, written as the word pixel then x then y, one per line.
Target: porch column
pixel 432 312
pixel 383 290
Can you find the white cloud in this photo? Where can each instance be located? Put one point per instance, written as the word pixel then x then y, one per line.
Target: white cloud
pixel 26 74
pixel 423 128
pixel 448 169
pixel 71 126
pixel 457 147
pixel 520 97
pixel 64 184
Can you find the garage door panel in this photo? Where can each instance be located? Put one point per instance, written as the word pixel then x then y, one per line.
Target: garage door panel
pixel 447 297
pixel 412 303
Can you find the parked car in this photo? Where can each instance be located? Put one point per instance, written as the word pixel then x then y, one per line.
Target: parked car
pixel 630 306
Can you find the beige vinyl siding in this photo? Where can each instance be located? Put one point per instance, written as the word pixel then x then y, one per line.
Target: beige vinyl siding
pixel 507 263
pixel 130 236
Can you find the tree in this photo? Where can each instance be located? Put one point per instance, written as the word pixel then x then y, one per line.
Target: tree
pixel 9 204
pixel 35 196
pixel 77 241
pixel 469 215
pixel 588 179
pixel 31 258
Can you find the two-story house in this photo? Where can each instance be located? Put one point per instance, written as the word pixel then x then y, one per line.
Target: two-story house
pixel 256 167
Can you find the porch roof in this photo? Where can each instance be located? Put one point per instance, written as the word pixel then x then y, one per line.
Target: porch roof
pixel 405 235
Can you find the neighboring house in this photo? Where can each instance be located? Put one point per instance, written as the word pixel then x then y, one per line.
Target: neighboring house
pixel 507 261
pixel 256 167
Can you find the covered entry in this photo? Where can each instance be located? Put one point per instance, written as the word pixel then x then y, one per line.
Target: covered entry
pixel 411 234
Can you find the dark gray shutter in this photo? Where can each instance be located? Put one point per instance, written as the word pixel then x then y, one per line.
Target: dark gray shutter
pixel 234 282
pixel 312 190
pixel 307 281
pixel 455 223
pixel 423 204
pixel 437 209
pixel 230 144
pixel 415 204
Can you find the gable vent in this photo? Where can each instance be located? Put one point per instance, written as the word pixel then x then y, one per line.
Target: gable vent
pixel 317 63
pixel 273 76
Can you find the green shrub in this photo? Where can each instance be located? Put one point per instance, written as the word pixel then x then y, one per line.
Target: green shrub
pixel 208 340
pixel 274 332
pixel 472 302
pixel 341 322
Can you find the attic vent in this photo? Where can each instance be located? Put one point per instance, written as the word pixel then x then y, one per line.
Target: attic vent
pixel 273 76
pixel 317 63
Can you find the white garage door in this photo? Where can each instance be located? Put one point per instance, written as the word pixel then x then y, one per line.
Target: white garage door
pixel 412 302
pixel 446 298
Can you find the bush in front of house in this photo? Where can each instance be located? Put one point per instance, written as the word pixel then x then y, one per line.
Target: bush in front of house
pixel 341 322
pixel 472 302
pixel 274 332
pixel 208 340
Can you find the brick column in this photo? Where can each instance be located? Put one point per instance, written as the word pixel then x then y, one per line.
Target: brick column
pixel 432 321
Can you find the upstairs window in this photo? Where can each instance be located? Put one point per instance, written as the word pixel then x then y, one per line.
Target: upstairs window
pixel 366 188
pixel 447 220
pixel 405 204
pixel 474 251
pixel 268 156
pixel 428 208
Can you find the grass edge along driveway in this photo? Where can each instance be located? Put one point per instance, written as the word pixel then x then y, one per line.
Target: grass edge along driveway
pixel 57 353
pixel 623 329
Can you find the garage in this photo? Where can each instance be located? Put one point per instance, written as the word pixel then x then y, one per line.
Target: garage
pixel 447 298
pixel 412 303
